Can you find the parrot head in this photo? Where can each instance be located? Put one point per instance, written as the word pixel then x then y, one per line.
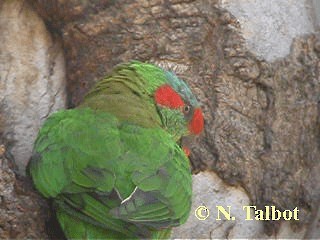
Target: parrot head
pixel 148 95
pixel 178 108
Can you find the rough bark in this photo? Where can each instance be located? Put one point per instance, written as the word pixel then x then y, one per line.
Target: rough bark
pixel 31 77
pixel 261 118
pixel 22 210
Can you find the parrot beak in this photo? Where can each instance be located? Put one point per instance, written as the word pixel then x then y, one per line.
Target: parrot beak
pixel 186 150
pixel 196 124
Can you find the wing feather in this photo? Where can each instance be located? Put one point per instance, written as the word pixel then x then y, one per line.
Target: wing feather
pixel 82 157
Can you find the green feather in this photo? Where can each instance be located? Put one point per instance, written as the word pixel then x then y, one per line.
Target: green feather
pixel 112 166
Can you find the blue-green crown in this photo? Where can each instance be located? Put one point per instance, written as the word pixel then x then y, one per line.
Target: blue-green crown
pixel 181 87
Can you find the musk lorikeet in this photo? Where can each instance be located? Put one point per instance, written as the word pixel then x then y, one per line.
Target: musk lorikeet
pixel 113 165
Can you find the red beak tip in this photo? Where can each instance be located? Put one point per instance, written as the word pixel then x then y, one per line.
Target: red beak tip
pixel 186 151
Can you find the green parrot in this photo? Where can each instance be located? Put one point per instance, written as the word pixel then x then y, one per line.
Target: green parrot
pixel 113 166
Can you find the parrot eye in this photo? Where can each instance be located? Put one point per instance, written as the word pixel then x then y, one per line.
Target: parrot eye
pixel 186 109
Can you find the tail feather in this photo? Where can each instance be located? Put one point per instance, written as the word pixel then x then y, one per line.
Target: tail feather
pixel 82 216
pixel 75 228
pixel 162 234
pixel 92 212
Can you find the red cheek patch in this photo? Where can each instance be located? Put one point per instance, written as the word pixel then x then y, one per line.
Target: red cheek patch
pixel 167 97
pixel 197 122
